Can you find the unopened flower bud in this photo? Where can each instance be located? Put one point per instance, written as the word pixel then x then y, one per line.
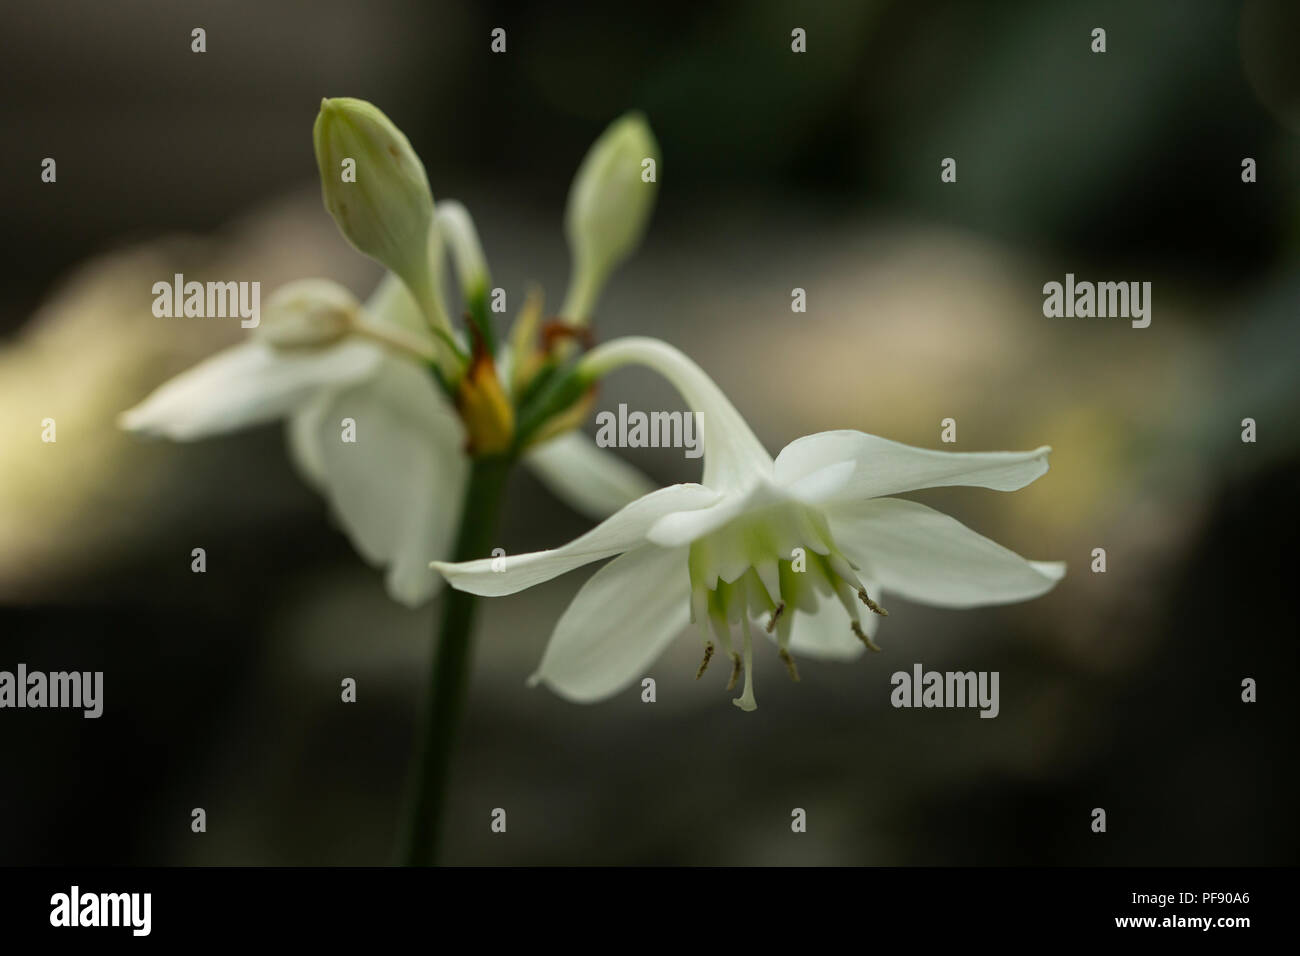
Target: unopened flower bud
pixel 609 207
pixel 309 313
pixel 375 187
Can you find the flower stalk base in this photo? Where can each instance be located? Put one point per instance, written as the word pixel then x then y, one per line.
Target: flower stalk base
pixel 431 767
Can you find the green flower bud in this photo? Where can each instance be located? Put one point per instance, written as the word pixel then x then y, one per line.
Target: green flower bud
pixel 375 187
pixel 309 313
pixel 609 206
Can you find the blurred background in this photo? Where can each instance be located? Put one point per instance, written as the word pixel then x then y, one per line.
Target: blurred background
pixel 1118 690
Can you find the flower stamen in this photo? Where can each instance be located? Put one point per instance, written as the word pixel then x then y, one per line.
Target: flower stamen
pixel 865 638
pixel 788 661
pixel 845 572
pixel 866 599
pixel 708 656
pixel 771 624
pixel 735 671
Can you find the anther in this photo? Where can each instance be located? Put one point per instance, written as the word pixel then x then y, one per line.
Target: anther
pixel 866 599
pixel 771 624
pixel 864 638
pixel 788 661
pixel 708 656
pixel 555 330
pixel 735 670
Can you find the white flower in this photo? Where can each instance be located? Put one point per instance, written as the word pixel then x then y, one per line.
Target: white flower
pixel 386 405
pixel 397 489
pixel 725 553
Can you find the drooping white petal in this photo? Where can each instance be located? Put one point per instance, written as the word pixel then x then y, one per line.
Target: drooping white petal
pixel 887 467
pixel 733 457
pixel 624 530
pixel 683 527
pixel 303 435
pixel 822 484
pixel 591 480
pixel 618 624
pixel 246 385
pixel 397 489
pixel 778 510
pixel 1050 569
pixel 926 556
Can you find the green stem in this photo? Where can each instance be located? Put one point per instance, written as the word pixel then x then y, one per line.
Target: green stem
pixel 451 659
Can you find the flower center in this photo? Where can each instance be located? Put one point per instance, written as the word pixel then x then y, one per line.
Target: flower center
pixel 764 569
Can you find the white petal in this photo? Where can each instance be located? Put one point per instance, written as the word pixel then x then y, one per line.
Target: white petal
pixel 457 227
pixel 887 467
pixel 397 490
pixel 926 556
pixel 245 385
pixel 392 302
pixel 683 527
pixel 618 624
pixel 1050 569
pixel 623 531
pixel 733 457
pixel 822 484
pixel 303 435
pixel 591 480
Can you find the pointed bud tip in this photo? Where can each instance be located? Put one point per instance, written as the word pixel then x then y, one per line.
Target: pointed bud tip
pixel 634 117
pixel 375 188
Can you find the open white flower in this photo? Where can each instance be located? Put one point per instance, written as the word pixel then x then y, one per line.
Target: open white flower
pixel 803 546
pixel 397 490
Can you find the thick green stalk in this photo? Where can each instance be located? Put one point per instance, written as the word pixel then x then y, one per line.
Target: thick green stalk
pixel 451 661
